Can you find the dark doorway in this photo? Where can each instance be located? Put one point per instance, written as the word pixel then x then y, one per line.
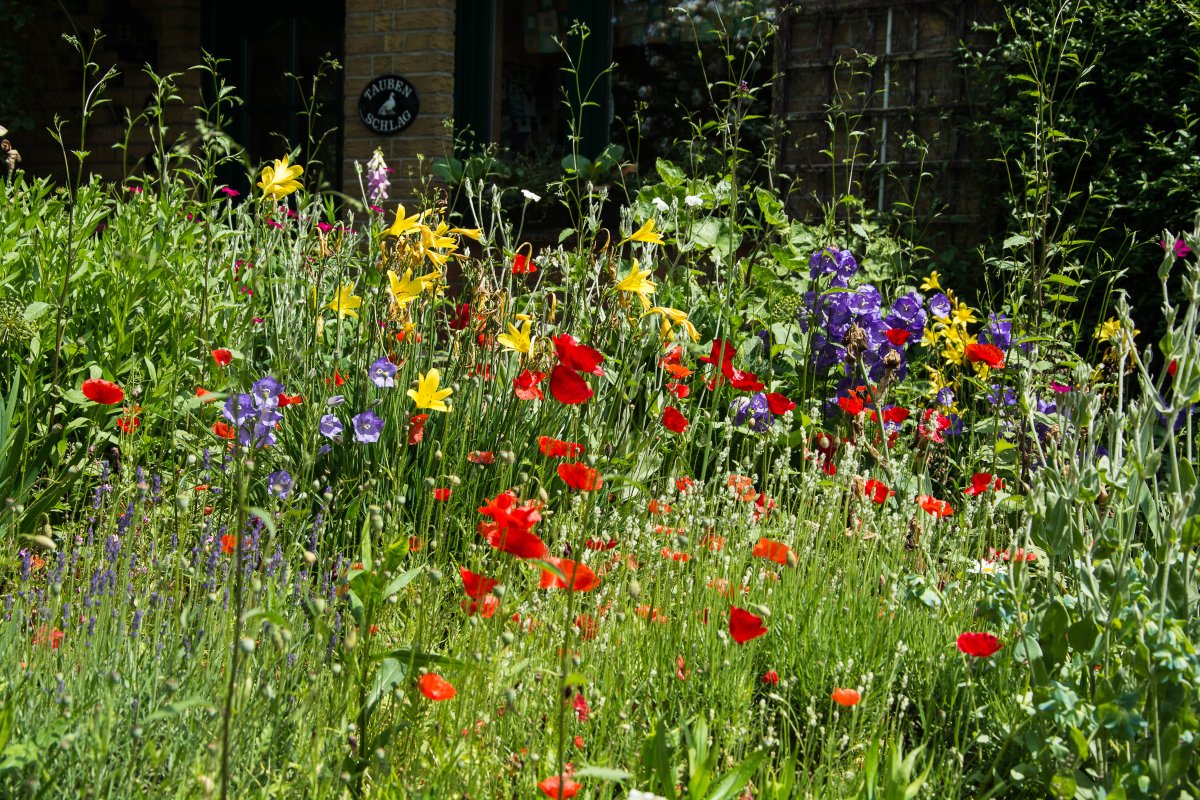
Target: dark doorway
pixel 274 51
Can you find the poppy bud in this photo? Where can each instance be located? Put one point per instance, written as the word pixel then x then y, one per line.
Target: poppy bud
pixel 43 540
pixel 319 605
pixel 635 589
pixel 352 637
pixel 246 644
pixel 434 574
pixel 507 637
pixel 310 557
pixel 191 459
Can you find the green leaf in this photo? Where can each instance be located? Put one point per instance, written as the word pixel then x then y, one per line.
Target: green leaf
pixel 390 674
pixel 737 778
pixel 603 774
pixel 400 581
pixel 670 174
pixel 1016 240
pixel 176 708
pixel 34 311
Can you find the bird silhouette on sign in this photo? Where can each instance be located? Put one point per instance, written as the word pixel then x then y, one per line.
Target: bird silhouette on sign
pixel 388 107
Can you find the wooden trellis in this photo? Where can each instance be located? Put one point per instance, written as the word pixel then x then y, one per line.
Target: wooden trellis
pixel 893 65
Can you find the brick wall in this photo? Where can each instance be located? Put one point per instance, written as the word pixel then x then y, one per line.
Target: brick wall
pixel 413 39
pixel 53 80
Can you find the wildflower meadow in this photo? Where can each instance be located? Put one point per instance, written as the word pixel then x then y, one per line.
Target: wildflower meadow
pixel 319 496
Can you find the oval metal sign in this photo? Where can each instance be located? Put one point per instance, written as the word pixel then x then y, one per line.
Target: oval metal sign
pixel 388 104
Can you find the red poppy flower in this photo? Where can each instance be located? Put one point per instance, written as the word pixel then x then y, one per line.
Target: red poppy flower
pixel 580 705
pixel 845 697
pixel 673 420
pixel 435 687
pixel 568 386
pixel 205 395
pixel 743 487
pixel 682 484
pixel 763 507
pixel 223 429
pixel 485 608
pixel 523 265
pixel 557 448
pixel 772 551
pixel 680 390
pixel 931 505
pixel 476 586
pixel 222 356
pixel 416 428
pixel 525 385
pixel 441 494
pixel 580 476
pixel 1172 368
pixel 484 457
pixel 779 404
pixel 987 353
pixel 551 788
pixel 576 356
pixel 677 371
pixel 851 405
pixel 338 380
pixel 462 317
pixel 721 355
pixel 897 336
pixel 103 392
pixel 228 543
pixel 588 628
pixel 286 400
pixel 979 645
pixel 877 491
pixel 678 556
pixel 601 544
pixel 744 626
pixel 655 507
pixel 895 414
pixel 128 423
pixel 770 678
pixel 744 381
pixel 579 577
pixel 980 482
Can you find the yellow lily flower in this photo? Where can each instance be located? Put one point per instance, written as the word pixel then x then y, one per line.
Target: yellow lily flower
pixel 519 340
pixel 345 302
pixel 279 180
pixel 404 224
pixel 470 233
pixel 964 314
pixel 672 317
pixel 932 283
pixel 405 290
pixel 428 395
pixel 638 282
pixel 644 234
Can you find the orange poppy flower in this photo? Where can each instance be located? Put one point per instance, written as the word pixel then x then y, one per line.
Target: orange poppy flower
pixel 935 507
pixel 580 476
pixel 772 551
pixel 435 687
pixel 846 697
pixel 579 577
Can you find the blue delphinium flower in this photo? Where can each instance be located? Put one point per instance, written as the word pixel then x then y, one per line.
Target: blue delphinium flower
pixel 279 484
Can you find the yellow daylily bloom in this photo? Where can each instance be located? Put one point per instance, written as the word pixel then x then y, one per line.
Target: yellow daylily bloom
pixel 404 224
pixel 638 282
pixel 279 180
pixel 519 340
pixel 644 234
pixel 964 314
pixel 345 302
pixel 932 283
pixel 405 290
pixel 672 317
pixel 427 394
pixel 470 233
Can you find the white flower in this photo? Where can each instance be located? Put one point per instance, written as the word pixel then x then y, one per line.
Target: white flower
pixel 530 196
pixel 634 794
pixel 985 567
pixel 692 200
pixel 661 204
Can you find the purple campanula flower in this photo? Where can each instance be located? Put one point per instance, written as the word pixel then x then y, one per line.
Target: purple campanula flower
pixel 939 306
pixel 1002 395
pixel 839 263
pixel 239 409
pixel 367 427
pixel 383 373
pixel 864 300
pixel 336 400
pixel 266 387
pixel 945 396
pixel 279 484
pixel 753 409
pixel 998 331
pixel 330 427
